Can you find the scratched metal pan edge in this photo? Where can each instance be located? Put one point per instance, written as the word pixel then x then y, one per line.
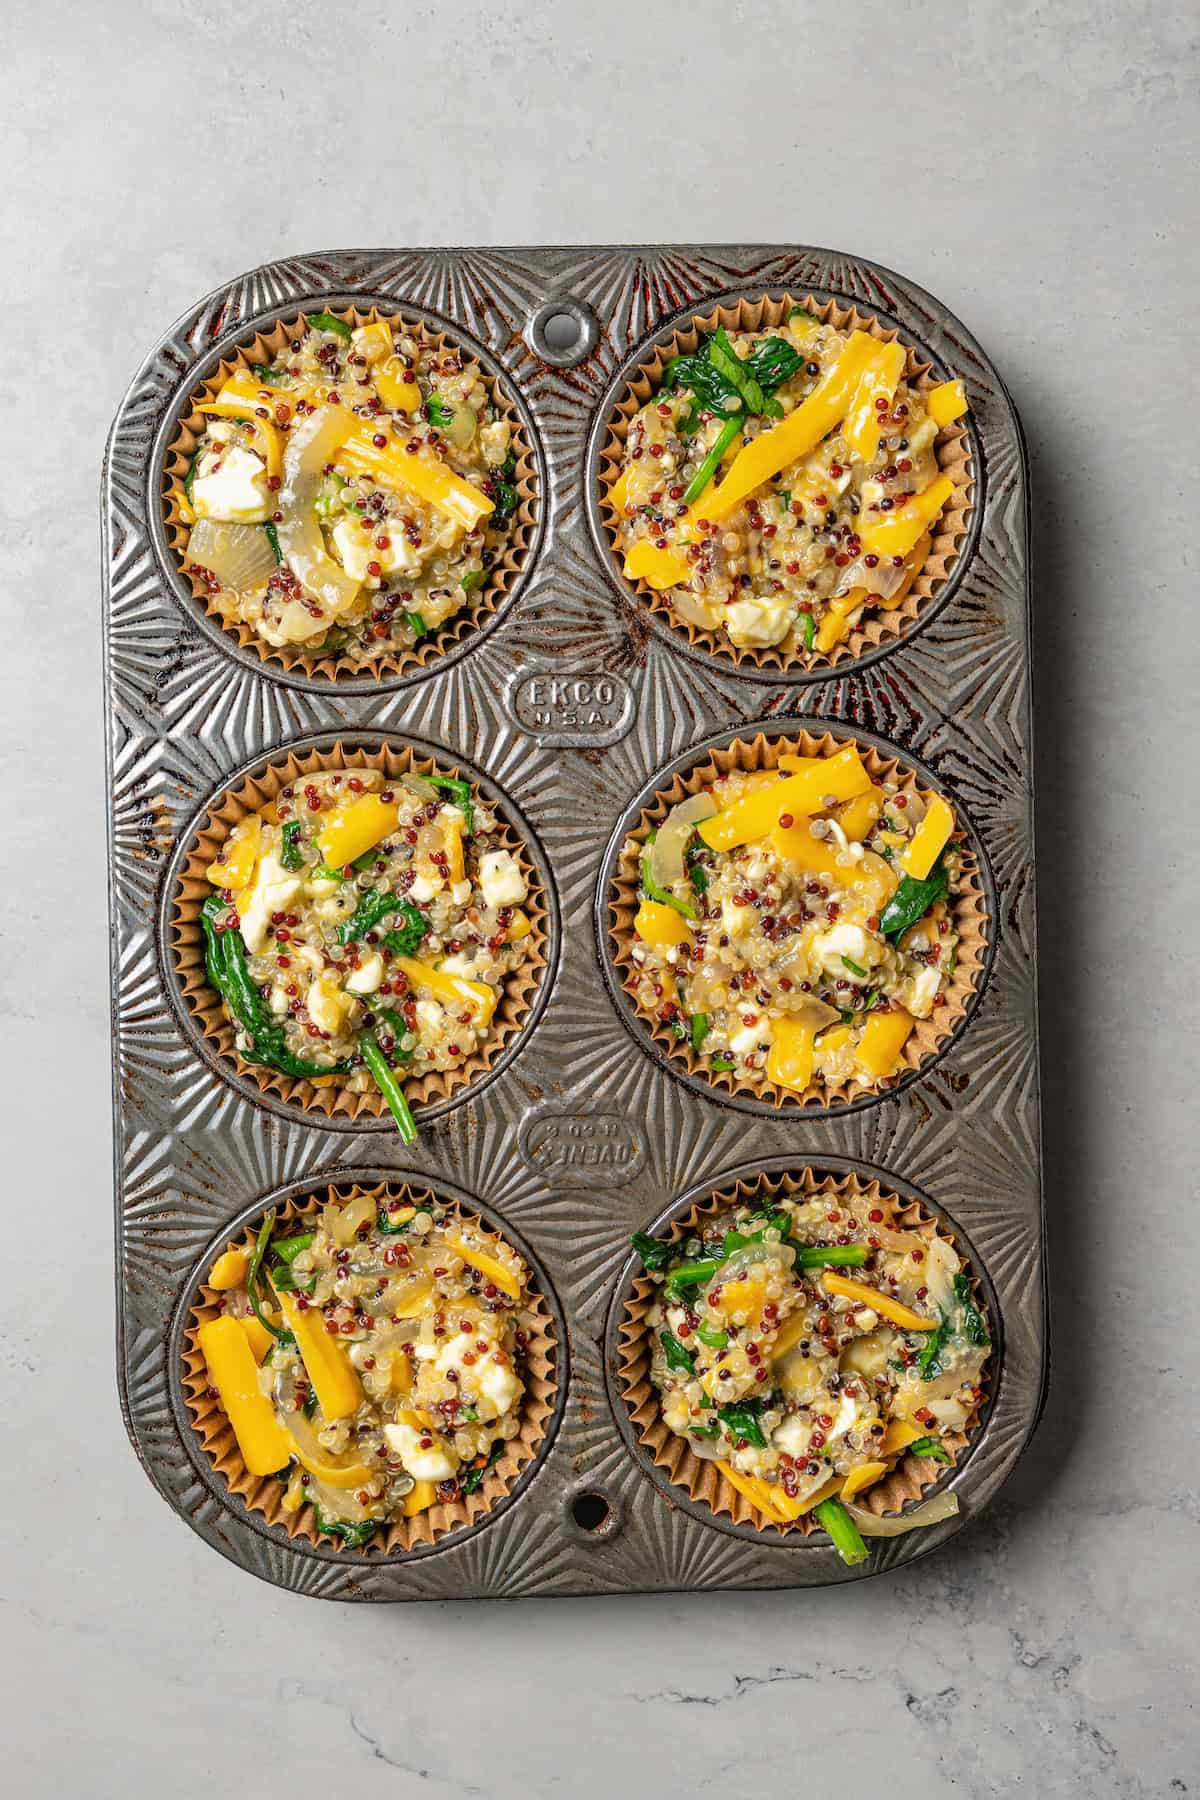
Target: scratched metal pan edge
pixel 190 1156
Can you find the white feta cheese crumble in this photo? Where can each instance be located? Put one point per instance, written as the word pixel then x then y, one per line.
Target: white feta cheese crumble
pixel 274 890
pixel 501 879
pixel 368 975
pixel 231 488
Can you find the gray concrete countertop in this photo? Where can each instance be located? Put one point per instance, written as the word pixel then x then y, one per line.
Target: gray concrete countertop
pixel 1034 166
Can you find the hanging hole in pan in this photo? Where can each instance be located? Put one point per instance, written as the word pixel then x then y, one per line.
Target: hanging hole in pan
pixel 562 332
pixel 593 1514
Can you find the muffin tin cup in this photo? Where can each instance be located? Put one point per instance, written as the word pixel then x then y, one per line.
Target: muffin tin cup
pixel 328 1100
pixel 181 432
pixel 617 903
pixel 666 1458
pixel 882 627
pixel 571 707
pixel 262 1496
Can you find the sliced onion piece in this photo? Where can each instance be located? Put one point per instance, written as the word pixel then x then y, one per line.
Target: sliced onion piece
pixel 342 1222
pixel 707 1449
pixel 903 1241
pixel 705 614
pixel 808 1010
pixel 942 1506
pixel 666 852
pixel 311 445
pixel 882 580
pixel 238 555
pixel 417 784
pixel 462 426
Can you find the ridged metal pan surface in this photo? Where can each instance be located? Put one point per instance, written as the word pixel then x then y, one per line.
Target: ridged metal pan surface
pixel 571 701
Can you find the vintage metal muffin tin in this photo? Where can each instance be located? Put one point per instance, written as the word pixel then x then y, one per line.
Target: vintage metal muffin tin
pixel 572 700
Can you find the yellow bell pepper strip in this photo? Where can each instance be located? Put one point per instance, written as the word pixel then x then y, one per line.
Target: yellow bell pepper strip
pixel 878 381
pixel 618 493
pixel 869 877
pixel 790 1061
pixel 393 465
pixel 913 564
pixel 815 782
pixel 266 437
pixel 419 1499
pixel 946 402
pixel 756 1491
pixel 659 569
pixel 865 1475
pixel 415 1417
pixel 229 1270
pixel 929 839
pixel 770 1499
pixel 519 926
pixel 802 324
pixel 452 990
pixel 745 1295
pixel 353 1476
pixel 883 1304
pixel 332 1471
pixel 789 1335
pixel 661 925
pixel 755 814
pixel 796 845
pixel 235 867
pixel 796 1509
pixel 257 1335
pixel 837 624
pixel 857 817
pixel 841 775
pixel 334 1377
pixel 244 389
pixel 505 1279
pixel 356 828
pixel 455 861
pixel 396 387
pixel 793 437
pixel 265 1446
pixel 898 1436
pixel 400 1375
pixel 374 341
pixel 874 879
pixel 883 1038
pixel 830 1043
pixel 413 1297
pixel 896 533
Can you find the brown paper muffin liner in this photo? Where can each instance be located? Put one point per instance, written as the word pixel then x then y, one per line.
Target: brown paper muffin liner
pixel 952 447
pixel 703 1481
pixel 262 1494
pixel 326 1094
pixel 969 912
pixel 479 606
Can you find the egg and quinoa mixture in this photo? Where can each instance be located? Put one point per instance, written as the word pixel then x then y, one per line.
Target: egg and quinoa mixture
pixel 370 1361
pixel 796 923
pixel 780 484
pixel 349 496
pixel 804 1344
pixel 363 928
